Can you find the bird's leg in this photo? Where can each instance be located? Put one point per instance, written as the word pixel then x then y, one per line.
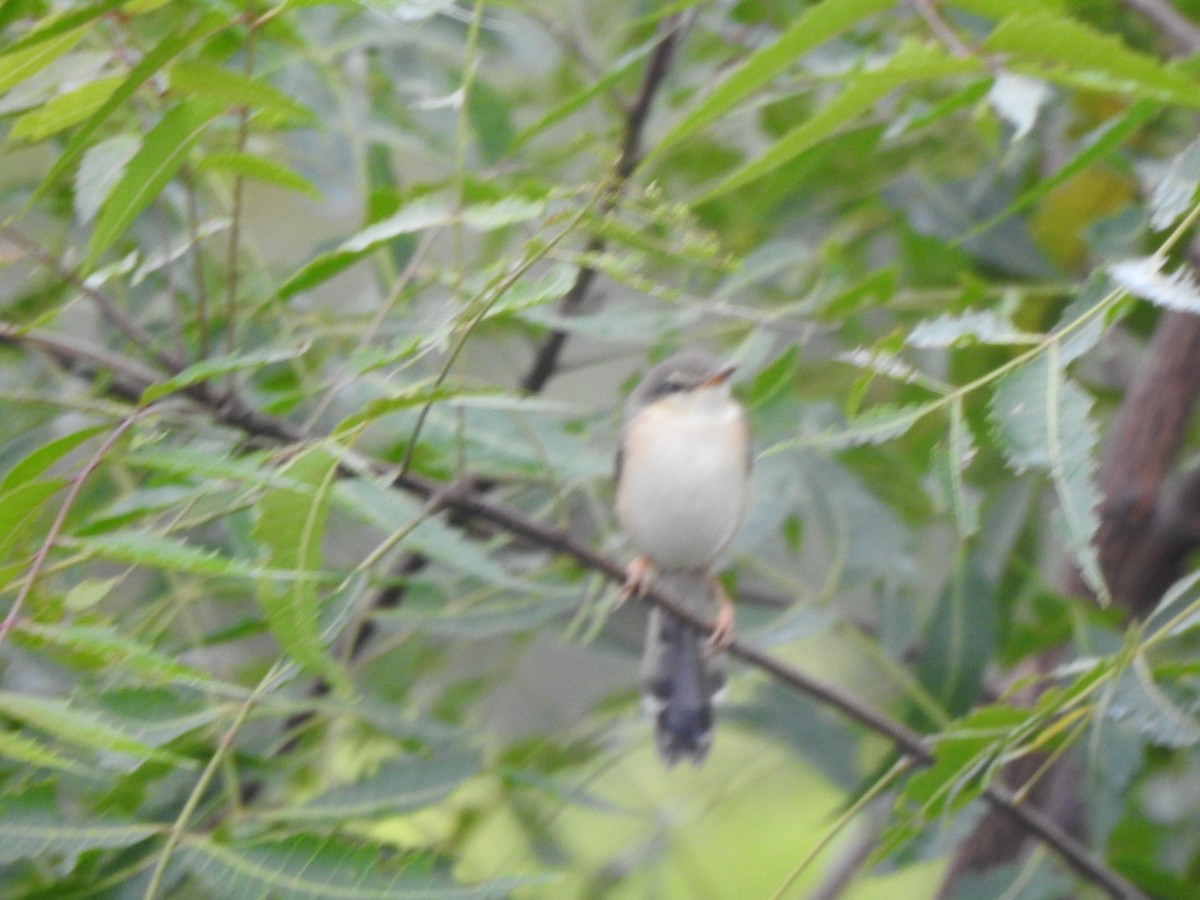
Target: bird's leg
pixel 637 579
pixel 722 633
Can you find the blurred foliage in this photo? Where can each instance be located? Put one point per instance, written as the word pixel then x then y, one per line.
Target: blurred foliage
pixel 363 217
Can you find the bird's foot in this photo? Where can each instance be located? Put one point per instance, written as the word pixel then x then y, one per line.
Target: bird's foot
pixel 722 633
pixel 637 580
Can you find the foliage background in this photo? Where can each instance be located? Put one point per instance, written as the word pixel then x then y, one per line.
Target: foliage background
pixel 315 321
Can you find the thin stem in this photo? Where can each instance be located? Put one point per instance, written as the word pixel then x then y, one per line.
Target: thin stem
pixel 39 558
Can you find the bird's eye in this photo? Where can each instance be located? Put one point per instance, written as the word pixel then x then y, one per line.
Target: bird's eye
pixel 674 385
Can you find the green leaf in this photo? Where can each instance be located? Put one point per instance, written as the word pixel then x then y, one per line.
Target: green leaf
pixel 217 366
pixel 33 826
pixel 1043 421
pixel 41 459
pixel 17 65
pixel 163 151
pixel 99 171
pixel 290 526
pixel 144 548
pixel 1063 49
pixel 311 867
pixel 106 648
pixel 170 46
pixel 819 24
pixel 489 117
pixel 23 748
pixel 234 89
pixel 399 786
pixel 64 110
pixel 416 216
pixel 82 728
pixel 912 63
pixel 57 25
pixel 269 171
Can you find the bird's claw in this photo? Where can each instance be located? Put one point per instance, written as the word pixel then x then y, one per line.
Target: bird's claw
pixel 637 580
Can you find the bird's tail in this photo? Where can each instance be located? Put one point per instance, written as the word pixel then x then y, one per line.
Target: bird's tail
pixel 679 678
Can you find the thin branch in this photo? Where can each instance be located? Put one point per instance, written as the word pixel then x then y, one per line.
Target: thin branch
pixel 235 224
pixel 39 558
pixel 472 503
pixel 111 313
pixel 545 362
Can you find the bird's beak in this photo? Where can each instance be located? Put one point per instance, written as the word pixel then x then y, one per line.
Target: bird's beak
pixel 719 378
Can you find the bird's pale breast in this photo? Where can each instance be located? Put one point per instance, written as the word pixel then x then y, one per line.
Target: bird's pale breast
pixel 683 486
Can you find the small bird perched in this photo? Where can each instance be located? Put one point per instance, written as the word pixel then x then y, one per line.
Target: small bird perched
pixel 682 483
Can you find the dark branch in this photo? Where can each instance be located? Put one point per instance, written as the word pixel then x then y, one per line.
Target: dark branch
pixel 545 362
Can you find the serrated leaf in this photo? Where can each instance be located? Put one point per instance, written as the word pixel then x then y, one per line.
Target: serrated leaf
pixel 1145 278
pixel 1043 421
pixel 19 64
pixel 83 728
pixel 33 826
pixel 399 786
pixel 23 748
pixel 290 526
pixel 234 89
pixel 819 24
pixel 309 867
pixel 1140 703
pixel 217 366
pixel 144 548
pixel 910 64
pixel 983 325
pixel 1173 194
pixel 1066 50
pixel 64 110
pixel 268 171
pixel 162 152
pixel 950 462
pixel 880 423
pixel 108 648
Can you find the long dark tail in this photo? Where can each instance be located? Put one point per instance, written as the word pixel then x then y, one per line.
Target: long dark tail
pixel 679 679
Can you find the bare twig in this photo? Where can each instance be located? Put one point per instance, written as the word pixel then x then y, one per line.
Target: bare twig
pixel 545 361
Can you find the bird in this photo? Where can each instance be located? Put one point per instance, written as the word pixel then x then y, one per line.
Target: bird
pixel 682 483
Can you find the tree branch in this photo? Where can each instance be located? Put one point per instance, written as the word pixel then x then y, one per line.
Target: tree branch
pixel 470 503
pixel 545 361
